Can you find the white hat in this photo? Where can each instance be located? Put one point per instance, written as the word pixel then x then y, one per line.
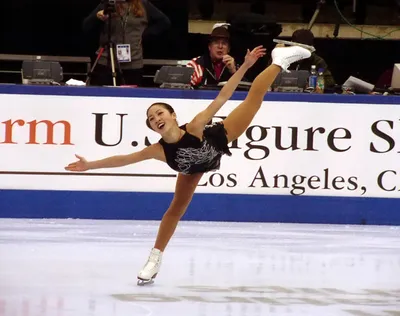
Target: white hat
pixel 225 25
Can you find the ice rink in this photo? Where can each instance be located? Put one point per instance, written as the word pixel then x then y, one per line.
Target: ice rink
pixel 88 268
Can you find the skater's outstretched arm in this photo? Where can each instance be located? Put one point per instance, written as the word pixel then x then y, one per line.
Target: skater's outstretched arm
pixel 196 126
pixel 154 151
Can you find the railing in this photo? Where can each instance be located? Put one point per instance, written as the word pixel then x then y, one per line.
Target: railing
pixel 77 60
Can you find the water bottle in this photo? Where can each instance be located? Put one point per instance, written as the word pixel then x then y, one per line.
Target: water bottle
pixel 320 81
pixel 312 79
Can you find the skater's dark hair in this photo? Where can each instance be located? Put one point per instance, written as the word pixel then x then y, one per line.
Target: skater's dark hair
pixel 166 106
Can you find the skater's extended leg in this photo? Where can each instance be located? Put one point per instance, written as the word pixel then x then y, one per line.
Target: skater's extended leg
pixel 240 118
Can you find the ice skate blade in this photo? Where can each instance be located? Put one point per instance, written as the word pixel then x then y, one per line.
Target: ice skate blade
pixel 310 48
pixel 144 282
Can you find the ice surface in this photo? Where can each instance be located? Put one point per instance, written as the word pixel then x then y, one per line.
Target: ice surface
pixel 84 267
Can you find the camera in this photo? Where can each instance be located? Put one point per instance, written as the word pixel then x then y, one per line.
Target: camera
pixel 109 5
pixel 112 2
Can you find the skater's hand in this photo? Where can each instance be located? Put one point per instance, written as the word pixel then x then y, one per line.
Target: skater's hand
pixel 229 61
pixel 80 165
pixel 101 16
pixel 254 55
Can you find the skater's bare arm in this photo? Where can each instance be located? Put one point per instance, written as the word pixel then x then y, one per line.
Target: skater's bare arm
pixel 201 119
pixel 154 151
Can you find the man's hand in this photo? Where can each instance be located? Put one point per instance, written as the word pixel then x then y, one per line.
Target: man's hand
pixel 229 61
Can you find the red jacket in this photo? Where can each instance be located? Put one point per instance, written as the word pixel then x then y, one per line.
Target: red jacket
pixel 204 73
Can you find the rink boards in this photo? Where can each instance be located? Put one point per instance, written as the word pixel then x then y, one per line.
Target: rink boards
pixel 305 158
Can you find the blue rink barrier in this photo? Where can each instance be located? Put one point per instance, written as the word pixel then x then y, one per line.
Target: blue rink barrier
pixel 204 207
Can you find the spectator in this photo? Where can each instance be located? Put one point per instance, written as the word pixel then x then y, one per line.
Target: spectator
pixel 131 21
pixel 216 65
pixel 307 37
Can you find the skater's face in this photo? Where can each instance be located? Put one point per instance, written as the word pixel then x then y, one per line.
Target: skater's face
pixel 218 48
pixel 161 118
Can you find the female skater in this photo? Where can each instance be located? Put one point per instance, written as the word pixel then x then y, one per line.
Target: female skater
pixel 195 148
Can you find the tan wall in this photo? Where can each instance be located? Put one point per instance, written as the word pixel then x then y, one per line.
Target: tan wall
pixel 319 30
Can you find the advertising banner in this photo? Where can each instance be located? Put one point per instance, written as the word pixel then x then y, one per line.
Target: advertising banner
pixel 290 148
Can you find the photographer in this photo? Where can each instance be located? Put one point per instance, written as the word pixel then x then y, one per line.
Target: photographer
pixel 131 20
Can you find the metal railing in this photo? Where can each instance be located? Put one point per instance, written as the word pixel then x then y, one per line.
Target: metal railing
pixel 77 60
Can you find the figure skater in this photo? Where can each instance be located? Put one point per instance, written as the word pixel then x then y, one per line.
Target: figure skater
pixel 196 148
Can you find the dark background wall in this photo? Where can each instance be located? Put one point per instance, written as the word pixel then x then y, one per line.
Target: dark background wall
pixel 44 27
pixel 55 27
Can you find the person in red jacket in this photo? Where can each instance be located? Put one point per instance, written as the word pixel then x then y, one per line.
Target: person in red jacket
pixel 216 65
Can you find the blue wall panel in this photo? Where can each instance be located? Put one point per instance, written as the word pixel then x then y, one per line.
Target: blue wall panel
pixel 204 207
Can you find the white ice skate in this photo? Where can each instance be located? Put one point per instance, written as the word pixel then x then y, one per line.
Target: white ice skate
pixel 285 56
pixel 151 268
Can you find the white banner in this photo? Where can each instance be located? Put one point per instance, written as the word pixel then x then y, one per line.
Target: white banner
pixel 290 148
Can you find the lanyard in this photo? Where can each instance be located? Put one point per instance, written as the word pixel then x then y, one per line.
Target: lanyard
pixel 124 20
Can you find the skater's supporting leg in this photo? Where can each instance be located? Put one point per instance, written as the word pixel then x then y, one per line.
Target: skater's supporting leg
pixel 184 190
pixel 185 187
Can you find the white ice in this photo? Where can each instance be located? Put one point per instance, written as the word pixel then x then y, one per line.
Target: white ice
pixel 88 268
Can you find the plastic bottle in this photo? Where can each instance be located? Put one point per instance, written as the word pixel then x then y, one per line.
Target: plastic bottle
pixel 312 79
pixel 320 81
